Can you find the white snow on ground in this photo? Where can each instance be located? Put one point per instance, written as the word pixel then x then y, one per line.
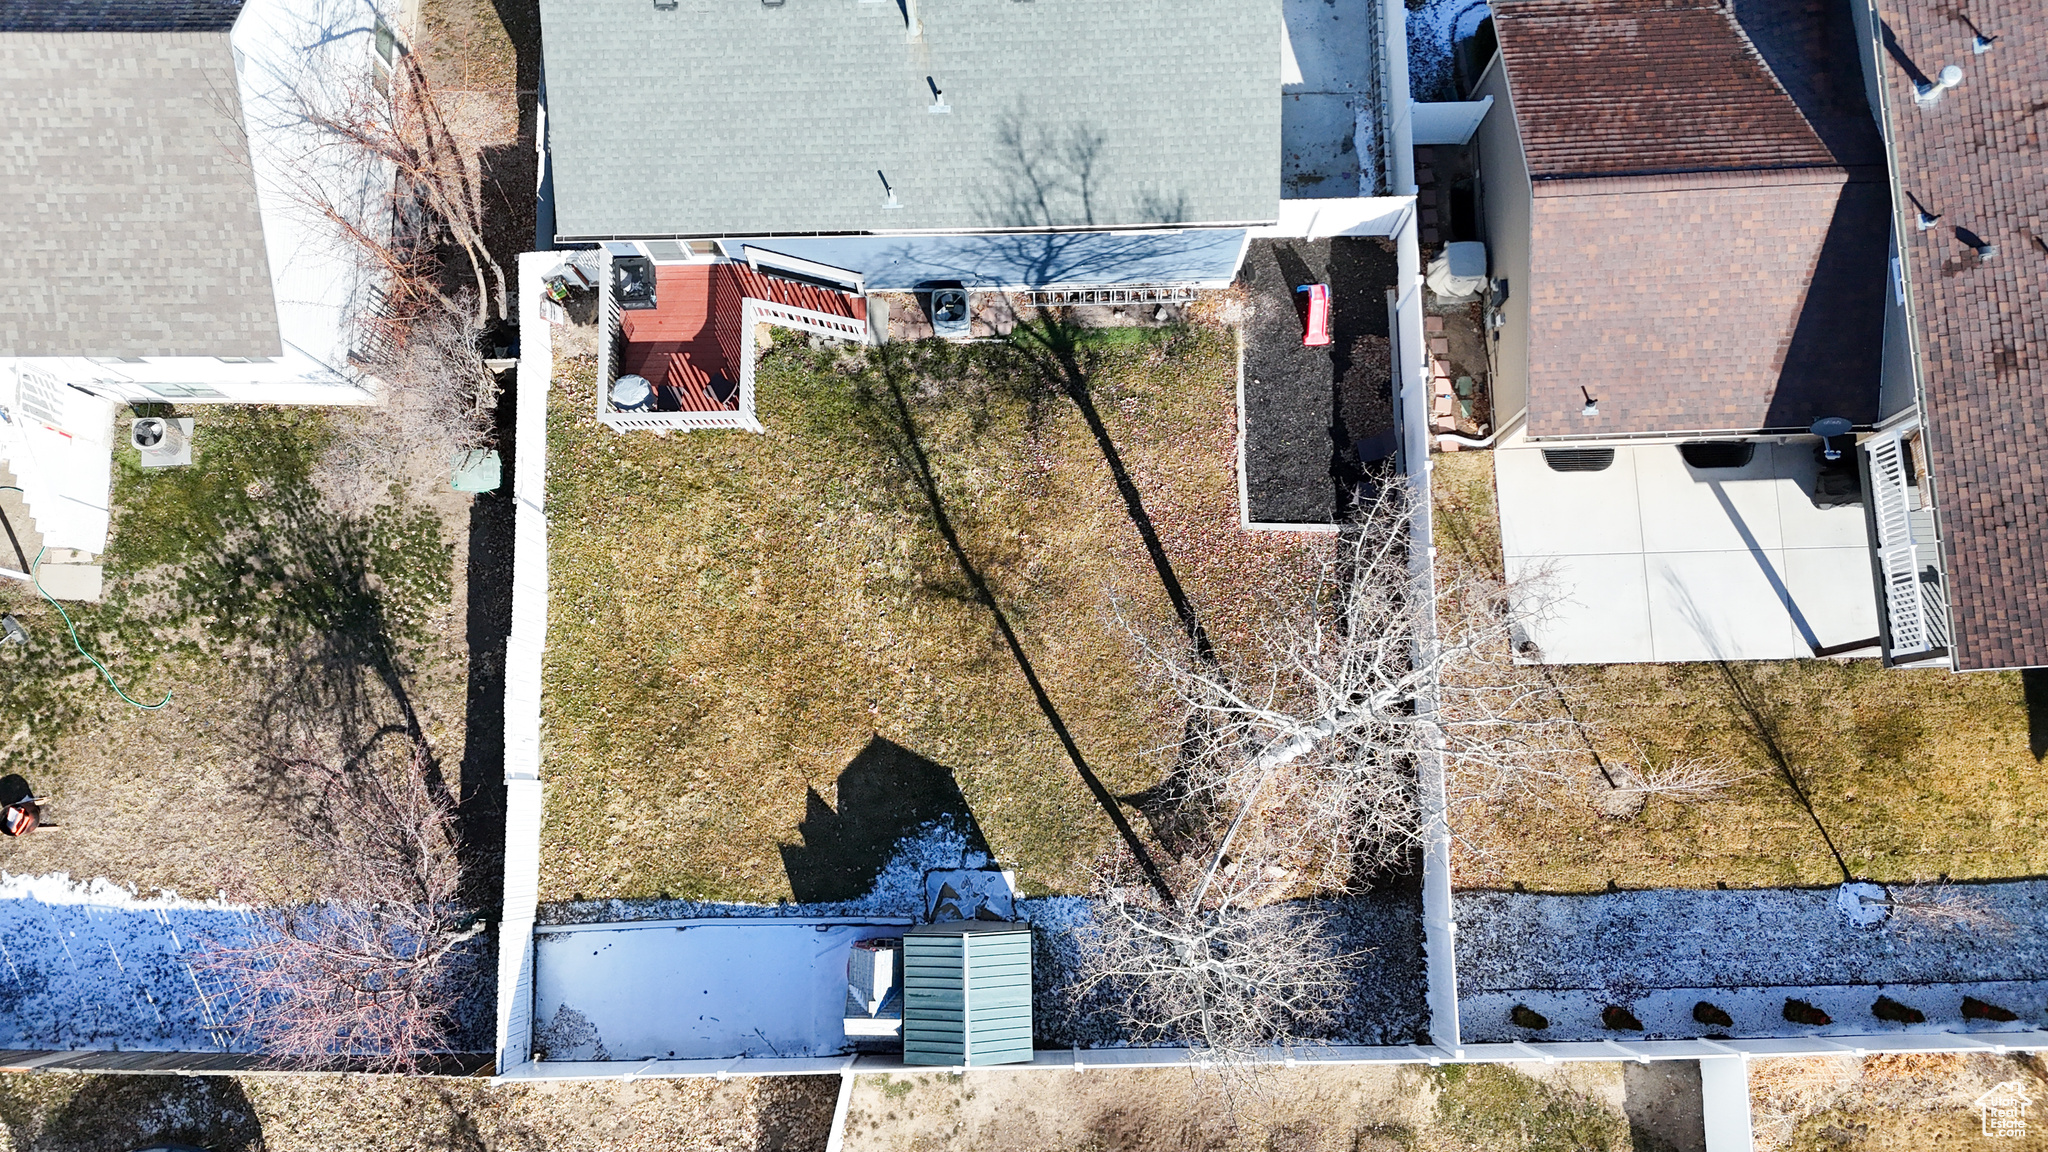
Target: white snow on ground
pixel 1433 31
pixel 1660 952
pixel 898 890
pixel 1667 1013
pixel 93 965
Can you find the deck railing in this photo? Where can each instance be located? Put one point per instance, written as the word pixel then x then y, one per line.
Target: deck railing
pixel 753 312
pixel 1916 609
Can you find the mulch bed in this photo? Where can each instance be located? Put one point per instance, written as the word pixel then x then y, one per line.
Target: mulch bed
pixel 1305 409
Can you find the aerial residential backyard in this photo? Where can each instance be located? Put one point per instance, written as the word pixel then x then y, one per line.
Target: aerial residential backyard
pixel 766 663
pixel 1914 775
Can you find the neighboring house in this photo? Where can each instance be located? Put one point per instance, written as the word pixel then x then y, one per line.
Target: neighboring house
pixel 1959 465
pixel 1687 216
pixel 166 211
pixel 843 149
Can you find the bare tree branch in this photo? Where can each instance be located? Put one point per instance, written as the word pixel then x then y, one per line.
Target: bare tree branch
pixel 368 976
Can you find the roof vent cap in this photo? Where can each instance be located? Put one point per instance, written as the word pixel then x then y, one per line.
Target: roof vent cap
pixel 1929 91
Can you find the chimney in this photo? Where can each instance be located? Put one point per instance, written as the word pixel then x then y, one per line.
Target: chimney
pixel 913 28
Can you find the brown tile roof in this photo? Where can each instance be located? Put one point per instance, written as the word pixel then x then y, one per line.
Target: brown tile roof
pixel 1615 87
pixel 1677 300
pixel 1976 158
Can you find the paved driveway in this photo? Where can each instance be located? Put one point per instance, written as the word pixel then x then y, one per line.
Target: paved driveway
pixel 1652 560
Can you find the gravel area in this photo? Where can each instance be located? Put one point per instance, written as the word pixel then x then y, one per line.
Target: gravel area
pixel 1675 938
pixel 1305 407
pixel 1387 1004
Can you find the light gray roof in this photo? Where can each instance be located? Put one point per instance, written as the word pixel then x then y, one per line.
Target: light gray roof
pixel 130 208
pixel 725 117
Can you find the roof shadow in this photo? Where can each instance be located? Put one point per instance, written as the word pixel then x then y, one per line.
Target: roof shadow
pixel 1811 48
pixel 2034 684
pixel 886 793
pixel 1834 363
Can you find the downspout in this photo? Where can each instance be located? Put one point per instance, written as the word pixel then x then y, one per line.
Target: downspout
pixel 1464 441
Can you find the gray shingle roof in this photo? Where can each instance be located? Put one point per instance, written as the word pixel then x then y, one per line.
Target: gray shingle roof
pixel 732 117
pixel 130 210
pixel 119 15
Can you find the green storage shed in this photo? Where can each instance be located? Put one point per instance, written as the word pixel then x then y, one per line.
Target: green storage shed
pixel 967 993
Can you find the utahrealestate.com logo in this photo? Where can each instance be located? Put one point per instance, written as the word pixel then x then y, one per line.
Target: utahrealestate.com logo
pixel 2003 1110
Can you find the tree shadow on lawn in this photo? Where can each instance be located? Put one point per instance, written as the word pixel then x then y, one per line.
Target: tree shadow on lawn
pixel 886 793
pixel 319 615
pixel 881 405
pixel 113 1113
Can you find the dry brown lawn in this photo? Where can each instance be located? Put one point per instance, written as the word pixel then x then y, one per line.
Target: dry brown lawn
pixel 1915 775
pixel 737 620
pixel 1904 1103
pixel 70 1112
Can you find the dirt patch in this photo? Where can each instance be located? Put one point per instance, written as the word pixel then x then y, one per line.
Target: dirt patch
pixel 82 1113
pixel 1301 402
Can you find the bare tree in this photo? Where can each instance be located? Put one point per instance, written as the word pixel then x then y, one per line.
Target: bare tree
pixel 1234 980
pixel 1312 759
pixel 370 976
pixel 1683 779
pixel 439 396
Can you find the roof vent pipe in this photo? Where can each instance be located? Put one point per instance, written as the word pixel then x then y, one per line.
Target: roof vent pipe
pixel 1982 43
pixel 1928 92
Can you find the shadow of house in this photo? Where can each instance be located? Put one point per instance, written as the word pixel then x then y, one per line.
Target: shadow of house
pixel 886 793
pixel 115 1112
pixel 2034 685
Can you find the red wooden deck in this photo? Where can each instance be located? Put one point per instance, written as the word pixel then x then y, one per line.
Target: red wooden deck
pixel 689 345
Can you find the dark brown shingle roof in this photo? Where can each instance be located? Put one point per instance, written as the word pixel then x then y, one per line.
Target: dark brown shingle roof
pixel 1976 158
pixel 1678 301
pixel 1617 87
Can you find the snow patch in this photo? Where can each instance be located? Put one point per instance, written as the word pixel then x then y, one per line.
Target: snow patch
pixel 1434 31
pixel 95 965
pixel 898 889
pixel 60 888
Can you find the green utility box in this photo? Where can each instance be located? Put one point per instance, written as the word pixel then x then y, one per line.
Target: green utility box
pixel 967 993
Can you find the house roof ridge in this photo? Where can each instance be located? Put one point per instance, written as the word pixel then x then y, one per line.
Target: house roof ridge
pixel 1622 183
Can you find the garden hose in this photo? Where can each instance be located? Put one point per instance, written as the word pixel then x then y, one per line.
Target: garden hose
pixel 75 641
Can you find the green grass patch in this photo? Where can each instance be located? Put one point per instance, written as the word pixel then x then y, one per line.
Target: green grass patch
pixel 210 561
pixel 1494 1106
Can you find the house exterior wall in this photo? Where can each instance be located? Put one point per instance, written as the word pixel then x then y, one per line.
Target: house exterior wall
pixel 1898 390
pixel 1506 199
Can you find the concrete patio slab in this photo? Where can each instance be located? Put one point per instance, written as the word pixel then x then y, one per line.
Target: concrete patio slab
pixel 1546 513
pixel 1688 509
pixel 1600 612
pixel 1719 606
pixel 696 989
pixel 1652 560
